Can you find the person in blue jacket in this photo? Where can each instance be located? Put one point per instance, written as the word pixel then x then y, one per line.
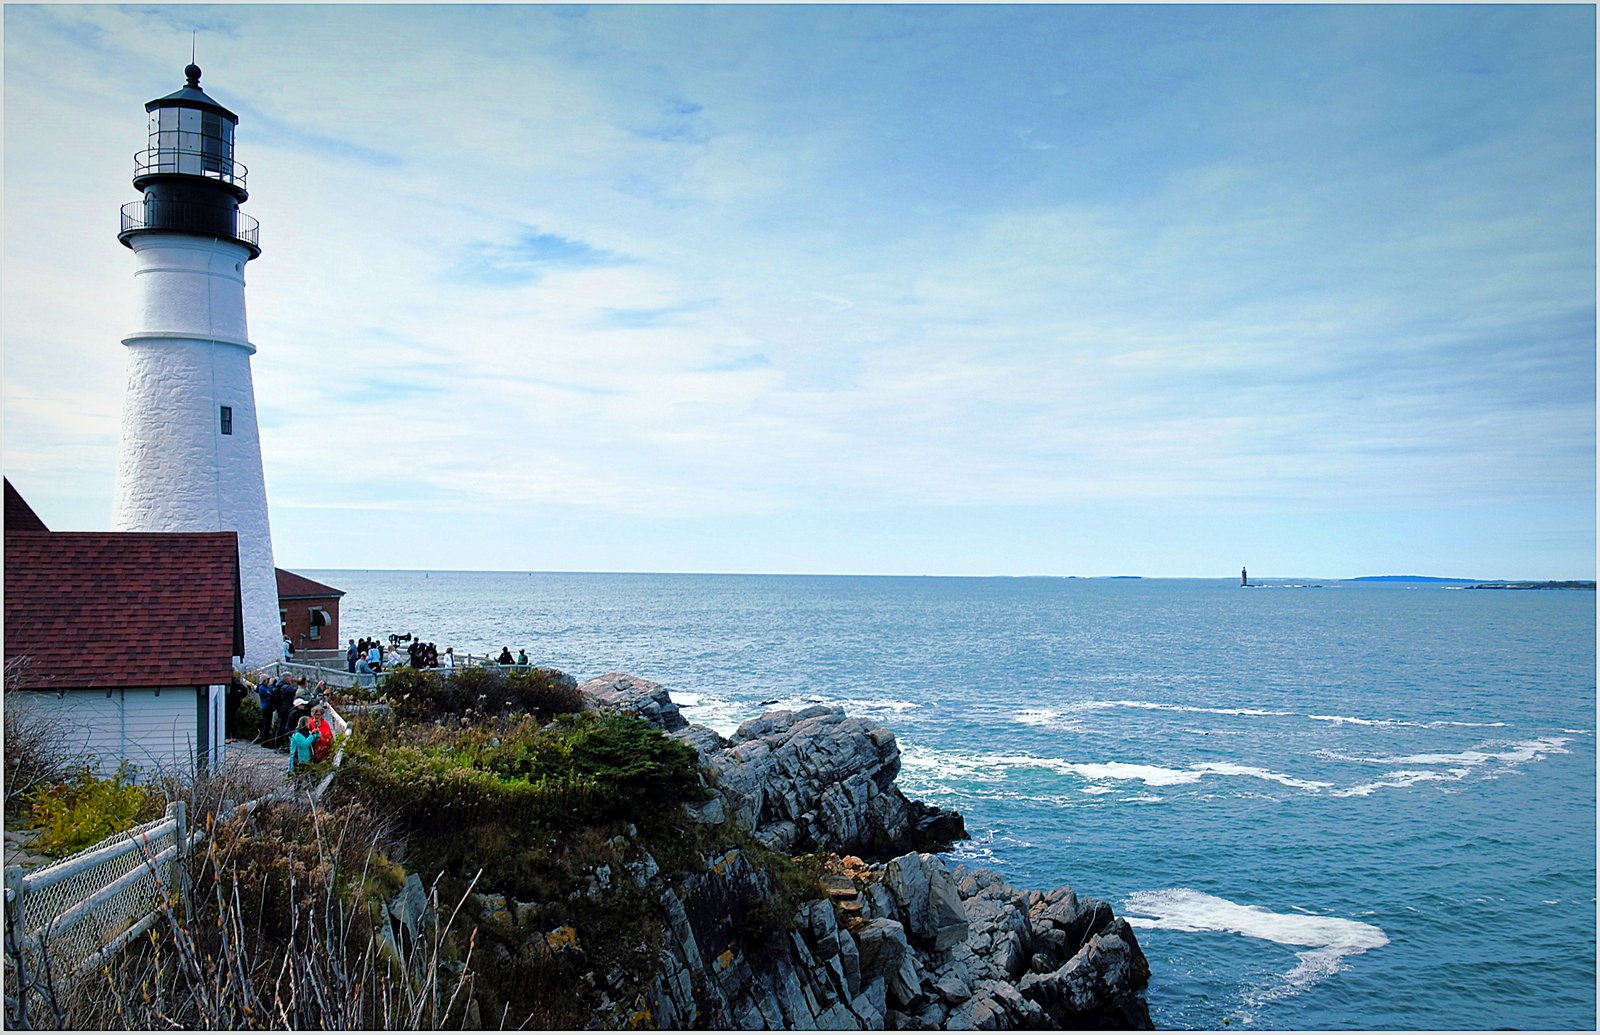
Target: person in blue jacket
pixel 302 743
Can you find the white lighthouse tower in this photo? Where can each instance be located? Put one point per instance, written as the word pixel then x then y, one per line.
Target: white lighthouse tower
pixel 191 453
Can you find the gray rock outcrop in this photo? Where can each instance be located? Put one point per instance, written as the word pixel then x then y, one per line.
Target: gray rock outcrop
pixel 902 943
pixel 934 950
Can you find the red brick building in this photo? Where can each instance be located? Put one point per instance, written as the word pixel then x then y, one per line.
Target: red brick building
pixel 309 610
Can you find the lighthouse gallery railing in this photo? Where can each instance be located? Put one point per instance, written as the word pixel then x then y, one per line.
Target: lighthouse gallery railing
pixel 183 216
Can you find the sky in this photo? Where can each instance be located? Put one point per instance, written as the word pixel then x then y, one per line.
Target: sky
pixel 966 290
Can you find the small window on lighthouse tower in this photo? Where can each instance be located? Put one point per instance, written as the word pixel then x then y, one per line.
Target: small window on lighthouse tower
pixel 227 420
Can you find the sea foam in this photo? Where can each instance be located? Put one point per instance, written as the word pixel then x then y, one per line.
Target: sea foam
pixel 1327 939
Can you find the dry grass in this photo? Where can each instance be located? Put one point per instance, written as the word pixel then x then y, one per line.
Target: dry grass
pixel 276 933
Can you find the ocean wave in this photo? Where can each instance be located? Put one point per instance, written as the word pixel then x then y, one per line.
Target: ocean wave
pixel 985 850
pixel 1403 778
pixel 1064 716
pixel 1327 940
pixel 985 767
pixel 935 764
pixel 1351 720
pixel 1155 706
pixel 1512 753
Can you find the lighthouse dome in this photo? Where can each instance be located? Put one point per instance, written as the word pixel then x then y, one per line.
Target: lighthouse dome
pixel 189 95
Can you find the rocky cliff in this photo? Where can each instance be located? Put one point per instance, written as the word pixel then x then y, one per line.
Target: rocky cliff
pixel 897 941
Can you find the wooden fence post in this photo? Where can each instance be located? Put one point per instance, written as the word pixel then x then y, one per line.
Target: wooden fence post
pixel 180 859
pixel 17 1008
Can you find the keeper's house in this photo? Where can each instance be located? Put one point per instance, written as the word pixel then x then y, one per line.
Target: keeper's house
pixel 309 611
pixel 123 640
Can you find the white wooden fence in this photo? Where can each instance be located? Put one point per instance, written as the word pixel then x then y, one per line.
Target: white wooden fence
pixel 63 920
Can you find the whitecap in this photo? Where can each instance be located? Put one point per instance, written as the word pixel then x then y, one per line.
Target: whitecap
pixel 1159 707
pixel 1144 799
pixel 932 763
pixel 1037 717
pixel 1327 939
pixel 1230 769
pixel 990 768
pixel 1403 778
pixel 1513 753
pixel 985 850
pixel 1351 720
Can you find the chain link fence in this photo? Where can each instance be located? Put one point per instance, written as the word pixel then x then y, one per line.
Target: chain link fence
pixel 63 919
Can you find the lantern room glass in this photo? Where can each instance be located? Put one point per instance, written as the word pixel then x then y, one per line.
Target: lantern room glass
pixel 192 141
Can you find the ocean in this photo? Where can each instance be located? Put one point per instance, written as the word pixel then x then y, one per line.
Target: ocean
pixel 1322 806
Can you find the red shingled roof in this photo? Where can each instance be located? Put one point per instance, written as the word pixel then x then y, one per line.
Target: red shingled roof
pixel 294 587
pixel 122 609
pixel 19 516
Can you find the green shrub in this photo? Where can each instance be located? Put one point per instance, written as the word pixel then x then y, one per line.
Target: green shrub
pixel 538 785
pixel 88 809
pixel 480 693
pixel 545 693
pixel 247 717
pixel 634 758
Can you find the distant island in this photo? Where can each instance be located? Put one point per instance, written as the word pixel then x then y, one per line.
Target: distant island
pixel 1404 578
pixel 1568 584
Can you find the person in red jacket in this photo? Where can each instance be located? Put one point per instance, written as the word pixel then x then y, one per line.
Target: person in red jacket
pixel 319 724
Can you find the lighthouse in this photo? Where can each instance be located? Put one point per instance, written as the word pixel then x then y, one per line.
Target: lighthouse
pixel 190 458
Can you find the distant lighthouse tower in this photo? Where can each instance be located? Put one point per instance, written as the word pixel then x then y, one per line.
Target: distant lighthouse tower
pixel 191 453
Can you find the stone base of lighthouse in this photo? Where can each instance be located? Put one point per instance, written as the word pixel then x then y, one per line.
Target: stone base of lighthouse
pixel 191 450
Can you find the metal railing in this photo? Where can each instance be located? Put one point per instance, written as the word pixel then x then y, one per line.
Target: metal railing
pixel 156 161
pixel 188 217
pixel 334 672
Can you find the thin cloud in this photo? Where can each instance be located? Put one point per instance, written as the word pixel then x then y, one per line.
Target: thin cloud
pixel 531 255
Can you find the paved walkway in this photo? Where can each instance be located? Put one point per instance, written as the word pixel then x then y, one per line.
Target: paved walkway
pixel 245 760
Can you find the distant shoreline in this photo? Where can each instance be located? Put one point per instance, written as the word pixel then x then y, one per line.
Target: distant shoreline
pixel 1223 579
pixel 1570 584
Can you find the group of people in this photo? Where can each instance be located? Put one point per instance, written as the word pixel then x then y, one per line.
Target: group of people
pixel 367 657
pixel 294 719
pixel 506 659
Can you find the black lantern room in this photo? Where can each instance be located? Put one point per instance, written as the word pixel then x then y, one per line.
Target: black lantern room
pixel 190 181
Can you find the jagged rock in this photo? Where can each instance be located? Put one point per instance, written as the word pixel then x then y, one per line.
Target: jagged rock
pixel 899 944
pixel 633 696
pixel 923 889
pixel 935 830
pixel 490 907
pixel 1093 988
pixel 703 739
pixel 642 869
pixel 410 907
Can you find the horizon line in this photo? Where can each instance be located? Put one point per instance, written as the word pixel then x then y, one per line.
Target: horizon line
pixel 934 575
